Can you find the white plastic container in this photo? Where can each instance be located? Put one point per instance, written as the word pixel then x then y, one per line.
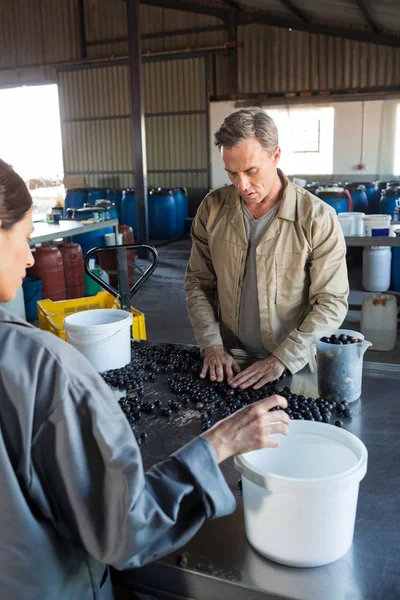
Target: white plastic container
pixel 300 499
pixel 347 223
pixel 354 220
pixel 102 335
pixel 377 261
pixel 375 225
pixel 16 306
pixel 109 239
pixel 379 320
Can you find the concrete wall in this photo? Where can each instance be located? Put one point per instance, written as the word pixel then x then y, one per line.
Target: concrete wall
pixel 374 146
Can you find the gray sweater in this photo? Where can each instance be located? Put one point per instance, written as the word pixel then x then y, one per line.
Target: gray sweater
pixel 249 315
pixel 74 497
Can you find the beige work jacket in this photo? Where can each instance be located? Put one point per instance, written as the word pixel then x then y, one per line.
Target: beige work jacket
pixel 302 280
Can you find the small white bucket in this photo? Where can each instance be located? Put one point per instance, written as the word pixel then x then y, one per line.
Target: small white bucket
pixel 109 239
pixel 347 223
pixel 353 222
pixel 102 335
pixel 375 225
pixel 300 499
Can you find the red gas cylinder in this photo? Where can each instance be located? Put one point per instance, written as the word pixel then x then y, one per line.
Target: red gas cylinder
pixel 108 260
pixel 49 268
pixel 73 269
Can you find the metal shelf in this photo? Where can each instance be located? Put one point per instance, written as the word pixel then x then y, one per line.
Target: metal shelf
pixel 372 241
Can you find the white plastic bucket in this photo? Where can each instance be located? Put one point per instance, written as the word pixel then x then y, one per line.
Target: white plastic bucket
pixel 102 335
pixel 109 239
pixel 352 221
pixel 375 225
pixel 300 499
pixel 347 223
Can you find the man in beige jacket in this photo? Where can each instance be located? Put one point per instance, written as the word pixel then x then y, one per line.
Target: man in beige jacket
pixel 267 267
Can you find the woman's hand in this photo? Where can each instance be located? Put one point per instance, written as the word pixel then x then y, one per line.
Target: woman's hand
pixel 249 428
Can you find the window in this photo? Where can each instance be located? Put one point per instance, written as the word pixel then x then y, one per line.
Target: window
pixel 30 140
pixel 396 168
pixel 306 139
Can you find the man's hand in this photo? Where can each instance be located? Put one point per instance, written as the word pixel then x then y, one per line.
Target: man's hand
pixel 249 428
pixel 219 363
pixel 258 374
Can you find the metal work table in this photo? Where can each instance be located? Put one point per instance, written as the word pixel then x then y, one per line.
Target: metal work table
pixel 47 232
pixel 221 563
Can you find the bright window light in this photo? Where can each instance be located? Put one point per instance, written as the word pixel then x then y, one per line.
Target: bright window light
pixel 30 131
pixel 306 139
pixel 396 168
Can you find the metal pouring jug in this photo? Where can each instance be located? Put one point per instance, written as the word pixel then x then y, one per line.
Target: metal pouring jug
pixel 339 367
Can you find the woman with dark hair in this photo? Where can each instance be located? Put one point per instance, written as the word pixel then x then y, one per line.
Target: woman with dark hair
pixel 73 494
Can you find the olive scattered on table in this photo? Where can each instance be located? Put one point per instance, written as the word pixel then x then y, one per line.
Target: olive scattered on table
pixel 211 400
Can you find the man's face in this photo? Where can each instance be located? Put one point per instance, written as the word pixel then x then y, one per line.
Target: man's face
pixel 251 169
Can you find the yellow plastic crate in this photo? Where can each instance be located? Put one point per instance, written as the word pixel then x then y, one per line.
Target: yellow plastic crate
pixel 52 314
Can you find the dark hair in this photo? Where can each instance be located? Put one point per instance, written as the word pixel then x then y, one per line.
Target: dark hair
pixel 244 124
pixel 15 200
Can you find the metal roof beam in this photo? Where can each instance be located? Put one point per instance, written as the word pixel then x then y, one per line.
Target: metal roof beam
pixel 233 4
pixel 340 32
pixel 295 10
pixel 364 9
pixel 245 17
pixel 203 9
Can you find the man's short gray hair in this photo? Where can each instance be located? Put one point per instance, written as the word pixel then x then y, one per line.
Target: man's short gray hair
pixel 244 124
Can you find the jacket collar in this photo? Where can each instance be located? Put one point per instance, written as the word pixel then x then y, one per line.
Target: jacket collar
pixel 288 206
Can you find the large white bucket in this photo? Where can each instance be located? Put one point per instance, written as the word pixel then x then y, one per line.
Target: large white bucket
pixel 300 499
pixel 377 225
pixel 102 335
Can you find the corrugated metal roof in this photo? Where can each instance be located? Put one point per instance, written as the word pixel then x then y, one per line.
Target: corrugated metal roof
pixel 340 12
pixel 108 20
pixel 33 32
pixel 273 60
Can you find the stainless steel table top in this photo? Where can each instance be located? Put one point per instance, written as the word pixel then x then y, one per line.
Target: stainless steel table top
pixel 47 232
pixel 222 564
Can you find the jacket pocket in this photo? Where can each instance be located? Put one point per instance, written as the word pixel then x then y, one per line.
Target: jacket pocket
pixel 292 282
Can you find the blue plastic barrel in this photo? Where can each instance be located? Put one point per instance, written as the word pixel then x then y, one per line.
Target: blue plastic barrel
pixel 75 198
pixel 389 201
pixel 92 239
pixel 32 287
pixel 128 209
pixel 96 194
pixel 115 196
pixel 162 214
pixel 373 195
pixel 182 210
pixel 335 197
pixel 359 197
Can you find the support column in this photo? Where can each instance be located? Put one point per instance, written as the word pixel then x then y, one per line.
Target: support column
pixel 138 125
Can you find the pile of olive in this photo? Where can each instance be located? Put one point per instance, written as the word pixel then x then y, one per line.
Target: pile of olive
pixel 342 340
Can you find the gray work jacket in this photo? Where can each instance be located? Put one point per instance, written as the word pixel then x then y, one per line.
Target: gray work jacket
pixel 73 494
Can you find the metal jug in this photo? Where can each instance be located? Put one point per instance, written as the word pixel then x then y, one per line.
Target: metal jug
pixel 339 367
